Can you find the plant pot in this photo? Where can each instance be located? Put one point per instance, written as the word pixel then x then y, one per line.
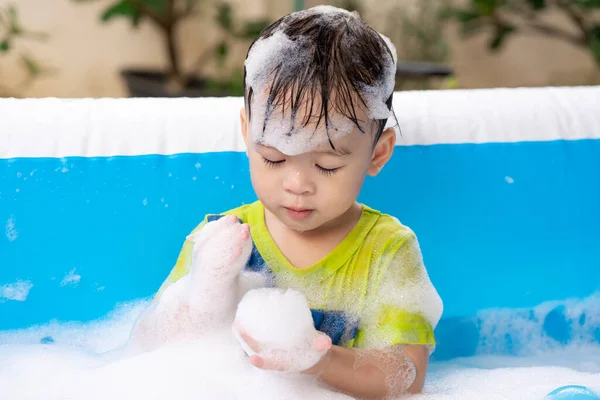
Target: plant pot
pixel 422 70
pixel 149 83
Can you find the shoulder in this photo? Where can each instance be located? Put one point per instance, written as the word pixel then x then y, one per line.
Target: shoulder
pixel 387 231
pixel 394 250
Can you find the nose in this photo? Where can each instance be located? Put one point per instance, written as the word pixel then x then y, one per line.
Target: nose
pixel 298 183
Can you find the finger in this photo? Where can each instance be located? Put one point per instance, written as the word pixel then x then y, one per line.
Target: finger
pixel 267 363
pixel 253 344
pixel 322 342
pixel 257 361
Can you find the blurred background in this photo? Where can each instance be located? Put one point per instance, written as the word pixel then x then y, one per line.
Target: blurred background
pixel 124 48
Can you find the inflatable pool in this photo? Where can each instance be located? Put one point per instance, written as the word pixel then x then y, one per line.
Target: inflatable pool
pixel 501 186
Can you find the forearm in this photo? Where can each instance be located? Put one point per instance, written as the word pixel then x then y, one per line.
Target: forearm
pixel 373 373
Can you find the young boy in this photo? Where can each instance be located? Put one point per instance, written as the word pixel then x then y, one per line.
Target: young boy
pixel 318 95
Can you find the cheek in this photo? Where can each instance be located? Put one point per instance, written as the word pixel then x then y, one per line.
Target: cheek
pixel 343 188
pixel 263 178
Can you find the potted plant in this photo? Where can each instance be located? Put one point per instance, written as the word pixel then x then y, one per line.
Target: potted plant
pixel 167 16
pixel 526 16
pixel 11 32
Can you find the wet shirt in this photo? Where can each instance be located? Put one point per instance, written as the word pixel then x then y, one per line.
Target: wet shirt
pixel 372 290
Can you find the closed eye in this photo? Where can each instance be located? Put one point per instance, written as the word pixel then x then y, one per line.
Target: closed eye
pixel 328 171
pixel 271 163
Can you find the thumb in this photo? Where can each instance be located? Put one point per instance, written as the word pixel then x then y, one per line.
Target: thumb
pixel 322 342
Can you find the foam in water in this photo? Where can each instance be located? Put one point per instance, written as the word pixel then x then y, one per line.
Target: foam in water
pixel 219 369
pixel 281 55
pixel 17 291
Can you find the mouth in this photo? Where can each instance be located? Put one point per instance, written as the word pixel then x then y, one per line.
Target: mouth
pixel 298 213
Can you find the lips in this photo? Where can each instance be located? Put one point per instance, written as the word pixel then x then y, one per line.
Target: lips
pixel 298 213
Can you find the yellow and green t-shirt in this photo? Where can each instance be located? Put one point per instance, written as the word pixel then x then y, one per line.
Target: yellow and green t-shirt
pixel 372 290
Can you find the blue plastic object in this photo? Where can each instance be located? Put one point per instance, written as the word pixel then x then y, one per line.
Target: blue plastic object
pixel 572 392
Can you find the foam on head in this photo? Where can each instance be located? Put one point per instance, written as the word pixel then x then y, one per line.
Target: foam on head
pixel 294 66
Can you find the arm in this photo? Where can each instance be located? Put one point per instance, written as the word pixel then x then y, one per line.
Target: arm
pixel 390 354
pixel 374 373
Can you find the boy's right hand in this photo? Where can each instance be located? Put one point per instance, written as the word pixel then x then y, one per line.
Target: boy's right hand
pixel 221 248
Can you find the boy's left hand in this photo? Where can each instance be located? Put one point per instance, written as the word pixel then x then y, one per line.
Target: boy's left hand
pixel 280 360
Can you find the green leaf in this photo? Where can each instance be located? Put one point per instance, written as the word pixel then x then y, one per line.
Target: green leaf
pixel 587 4
pixel 12 12
pixel 252 29
pixel 466 16
pixel 502 32
pixel 446 12
pixel 124 8
pixel 160 6
pixel 32 66
pixel 224 18
pixel 595 49
pixel 485 7
pixel 4 46
pixel 595 33
pixel 222 50
pixel 537 4
pixel 469 28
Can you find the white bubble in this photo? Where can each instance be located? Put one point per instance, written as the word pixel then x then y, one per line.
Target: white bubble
pixel 509 179
pixel 279 318
pixel 19 174
pixel 145 201
pixel 17 291
pixel 70 278
pixel 11 232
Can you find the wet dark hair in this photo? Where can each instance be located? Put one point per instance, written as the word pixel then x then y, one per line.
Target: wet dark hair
pixel 340 55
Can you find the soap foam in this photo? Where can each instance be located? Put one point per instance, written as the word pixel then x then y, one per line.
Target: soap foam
pixel 273 125
pixel 218 368
pixel 281 322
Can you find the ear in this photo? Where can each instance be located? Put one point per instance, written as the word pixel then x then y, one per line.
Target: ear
pixel 383 151
pixel 243 123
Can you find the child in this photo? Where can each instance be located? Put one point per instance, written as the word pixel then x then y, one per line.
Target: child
pixel 318 95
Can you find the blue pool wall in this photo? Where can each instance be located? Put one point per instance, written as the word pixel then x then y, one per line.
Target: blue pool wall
pixel 503 225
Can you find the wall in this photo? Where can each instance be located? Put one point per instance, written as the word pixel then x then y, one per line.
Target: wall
pixel 88 55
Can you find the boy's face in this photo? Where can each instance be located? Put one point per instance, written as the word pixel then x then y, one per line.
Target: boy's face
pixel 312 189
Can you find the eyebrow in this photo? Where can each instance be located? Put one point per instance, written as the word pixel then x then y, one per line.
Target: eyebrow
pixel 339 152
